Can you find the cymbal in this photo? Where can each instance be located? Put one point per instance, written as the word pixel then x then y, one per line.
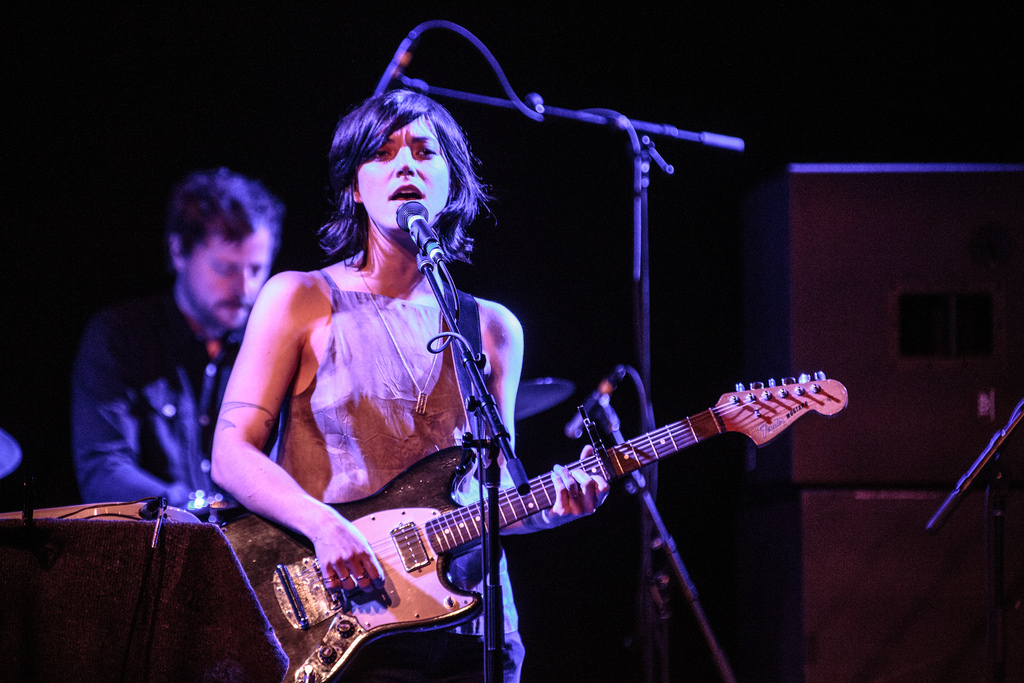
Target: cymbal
pixel 10 454
pixel 537 395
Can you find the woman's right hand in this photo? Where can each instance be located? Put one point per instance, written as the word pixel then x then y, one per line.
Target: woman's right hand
pixel 346 559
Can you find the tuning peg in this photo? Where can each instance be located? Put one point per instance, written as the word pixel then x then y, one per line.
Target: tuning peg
pixel 820 376
pixel 771 383
pixel 739 386
pixel 804 378
pixel 756 386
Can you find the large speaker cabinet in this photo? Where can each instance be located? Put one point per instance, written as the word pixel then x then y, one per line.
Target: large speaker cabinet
pixel 906 283
pixel 847 586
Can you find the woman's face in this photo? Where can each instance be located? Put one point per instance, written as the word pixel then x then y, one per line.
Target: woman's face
pixel 409 166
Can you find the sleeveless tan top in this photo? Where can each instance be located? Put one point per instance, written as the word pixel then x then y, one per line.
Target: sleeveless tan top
pixel 355 428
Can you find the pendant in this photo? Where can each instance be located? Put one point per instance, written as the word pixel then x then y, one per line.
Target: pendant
pixel 421 404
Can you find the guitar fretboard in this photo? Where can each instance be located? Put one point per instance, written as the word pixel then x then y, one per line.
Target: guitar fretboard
pixel 466 524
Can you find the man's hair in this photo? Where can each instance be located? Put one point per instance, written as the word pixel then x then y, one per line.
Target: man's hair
pixel 222 203
pixel 358 137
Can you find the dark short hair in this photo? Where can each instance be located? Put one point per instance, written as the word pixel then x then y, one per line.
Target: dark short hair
pixel 223 203
pixel 360 134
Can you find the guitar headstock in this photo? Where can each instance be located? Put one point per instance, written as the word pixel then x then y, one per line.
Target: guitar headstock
pixel 763 411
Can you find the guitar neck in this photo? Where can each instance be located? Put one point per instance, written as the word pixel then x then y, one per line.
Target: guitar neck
pixel 759 412
pixel 465 525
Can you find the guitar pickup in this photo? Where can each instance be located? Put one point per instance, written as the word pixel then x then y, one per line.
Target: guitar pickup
pixel 410 546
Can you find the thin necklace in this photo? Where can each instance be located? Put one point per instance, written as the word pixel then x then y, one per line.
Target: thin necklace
pixel 421 395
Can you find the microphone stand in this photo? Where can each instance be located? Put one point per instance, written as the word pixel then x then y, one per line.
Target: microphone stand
pixel 665 541
pixel 481 403
pixel 988 468
pixel 643 152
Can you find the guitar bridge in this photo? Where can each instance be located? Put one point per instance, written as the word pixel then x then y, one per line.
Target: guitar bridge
pixel 410 546
pixel 301 594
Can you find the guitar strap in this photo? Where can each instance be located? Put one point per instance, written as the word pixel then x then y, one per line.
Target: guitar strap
pixel 469 325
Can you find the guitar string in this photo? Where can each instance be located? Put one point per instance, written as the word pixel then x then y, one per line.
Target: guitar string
pixel 385 547
pixel 470 514
pixel 675 433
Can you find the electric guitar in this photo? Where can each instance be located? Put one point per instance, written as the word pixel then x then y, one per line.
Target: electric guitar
pixel 414 527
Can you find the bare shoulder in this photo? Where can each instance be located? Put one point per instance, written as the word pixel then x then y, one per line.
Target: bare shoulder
pixel 295 288
pixel 292 297
pixel 503 343
pixel 499 323
pixel 295 284
pixel 493 313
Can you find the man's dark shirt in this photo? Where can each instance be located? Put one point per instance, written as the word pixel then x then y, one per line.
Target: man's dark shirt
pixel 144 402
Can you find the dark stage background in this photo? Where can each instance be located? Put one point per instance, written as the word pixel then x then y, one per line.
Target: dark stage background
pixel 109 104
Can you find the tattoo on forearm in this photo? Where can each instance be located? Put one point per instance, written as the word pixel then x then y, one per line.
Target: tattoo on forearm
pixel 225 423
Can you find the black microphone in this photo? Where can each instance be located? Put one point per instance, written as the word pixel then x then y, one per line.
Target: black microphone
pixel 403 55
pixel 601 395
pixel 412 217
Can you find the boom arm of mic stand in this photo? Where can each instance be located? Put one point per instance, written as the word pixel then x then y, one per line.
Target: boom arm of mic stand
pixel 704 138
pixel 966 483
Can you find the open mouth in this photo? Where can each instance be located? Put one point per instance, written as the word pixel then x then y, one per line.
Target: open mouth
pixel 407 193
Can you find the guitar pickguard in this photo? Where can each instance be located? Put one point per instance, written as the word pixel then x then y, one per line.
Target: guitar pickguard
pixel 319 631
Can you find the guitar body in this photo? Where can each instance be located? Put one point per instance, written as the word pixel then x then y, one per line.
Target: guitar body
pixel 416 596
